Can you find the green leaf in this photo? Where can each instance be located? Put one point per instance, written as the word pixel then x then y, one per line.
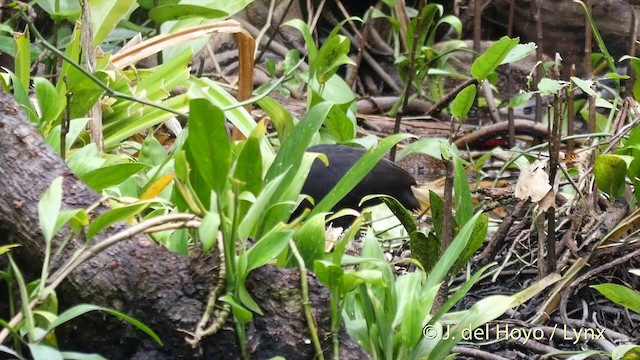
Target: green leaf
pixel 44 352
pixel 301 26
pixel 114 216
pixel 289 159
pixel 279 115
pixel 405 216
pixel 463 102
pixel 463 200
pixel 475 242
pixel 208 145
pixel 437 211
pixel 310 241
pixel 424 248
pixel 328 273
pixel 160 14
pixel 113 175
pixel 6 248
pixel 49 208
pixel 50 104
pixel 68 355
pixel 488 62
pixel 208 231
pixel 249 166
pixel 252 217
pixel 152 152
pixel 239 312
pixel 23 59
pixel 331 56
pixel 452 253
pixel 584 85
pixel 621 295
pixel 267 248
pixel 106 15
pixel 58 10
pixel 76 127
pixel 341 126
pixel 519 99
pixel 82 309
pixel 519 52
pixel 610 172
pixel 550 87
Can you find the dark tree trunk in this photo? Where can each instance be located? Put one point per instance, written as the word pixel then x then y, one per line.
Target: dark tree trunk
pixel 165 291
pixel 564 24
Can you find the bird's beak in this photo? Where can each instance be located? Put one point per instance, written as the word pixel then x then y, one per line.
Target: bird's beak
pixel 421 192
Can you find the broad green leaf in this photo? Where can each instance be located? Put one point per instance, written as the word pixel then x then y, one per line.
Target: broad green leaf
pixel 82 309
pixel 519 52
pixel 621 295
pixel 339 125
pixel 239 312
pixel 114 216
pixel 463 102
pixel 50 103
pixel 310 241
pixel 252 217
pixel 23 58
pixel 584 85
pixel 208 231
pixel 113 175
pixel 49 208
pixel 44 352
pixel 246 299
pixel 249 165
pixel 208 145
pixel 333 54
pixel 152 152
pixel 549 87
pixel 488 62
pixel 610 172
pixel 519 99
pixel 237 115
pixel 477 239
pixel 405 216
pixel 279 115
pixel 328 273
pixel 179 242
pixel 61 9
pixel 626 352
pixel 268 248
pixel 424 248
pixel 105 16
pixel 427 24
pixel 69 355
pixel 160 14
pixel 429 146
pixel 437 211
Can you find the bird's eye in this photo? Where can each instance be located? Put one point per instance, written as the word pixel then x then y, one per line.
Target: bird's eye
pixel 528 110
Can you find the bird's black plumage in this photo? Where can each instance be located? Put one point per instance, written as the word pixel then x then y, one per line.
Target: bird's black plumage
pixel 385 178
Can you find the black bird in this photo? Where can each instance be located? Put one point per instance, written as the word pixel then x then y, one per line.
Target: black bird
pixel 385 178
